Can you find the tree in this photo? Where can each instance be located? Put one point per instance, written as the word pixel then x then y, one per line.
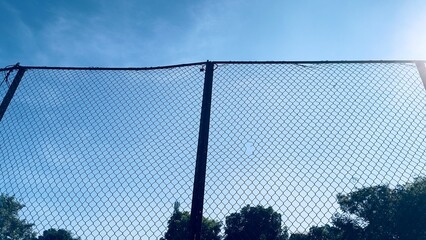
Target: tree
pixel 377 212
pixel 375 207
pixel 299 236
pixel 53 234
pixel 326 232
pixel 411 213
pixel 178 227
pixel 11 227
pixel 255 223
pixel 380 212
pixel 347 228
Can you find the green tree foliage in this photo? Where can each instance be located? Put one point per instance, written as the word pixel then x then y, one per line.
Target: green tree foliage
pixel 255 223
pixel 398 213
pixel 411 215
pixel 326 232
pixel 377 212
pixel 11 227
pixel 347 228
pixel 375 207
pixel 299 236
pixel 178 227
pixel 53 234
pixel 371 213
pixel 323 233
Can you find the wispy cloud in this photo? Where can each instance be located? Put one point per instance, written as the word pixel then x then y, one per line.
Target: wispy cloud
pixel 21 37
pixel 92 41
pixel 134 33
pixel 130 35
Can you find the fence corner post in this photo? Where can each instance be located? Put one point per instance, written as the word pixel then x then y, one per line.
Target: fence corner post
pixel 11 91
pixel 201 160
pixel 422 71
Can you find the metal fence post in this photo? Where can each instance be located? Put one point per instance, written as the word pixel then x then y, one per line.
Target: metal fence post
pixel 201 161
pixel 11 91
pixel 422 71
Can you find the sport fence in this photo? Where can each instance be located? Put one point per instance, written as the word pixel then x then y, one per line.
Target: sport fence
pixel 119 153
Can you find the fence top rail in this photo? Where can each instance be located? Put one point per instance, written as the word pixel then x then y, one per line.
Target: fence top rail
pixel 214 62
pixel 319 62
pixel 102 68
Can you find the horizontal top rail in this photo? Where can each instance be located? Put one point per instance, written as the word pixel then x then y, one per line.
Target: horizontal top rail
pixel 214 62
pixel 318 62
pixel 104 68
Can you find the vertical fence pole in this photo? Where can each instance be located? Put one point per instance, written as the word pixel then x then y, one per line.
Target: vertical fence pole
pixel 201 162
pixel 422 71
pixel 11 91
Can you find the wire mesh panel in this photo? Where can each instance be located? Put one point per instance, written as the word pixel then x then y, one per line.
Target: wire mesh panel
pixel 110 154
pixel 103 154
pixel 293 136
pixel 3 84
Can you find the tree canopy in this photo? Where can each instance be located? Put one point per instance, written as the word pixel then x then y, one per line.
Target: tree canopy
pixel 14 228
pixel 377 212
pixel 11 227
pixel 255 223
pixel 370 213
pixel 387 213
pixel 178 226
pixel 53 234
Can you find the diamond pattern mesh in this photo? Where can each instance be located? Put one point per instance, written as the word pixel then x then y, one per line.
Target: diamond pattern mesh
pixel 106 153
pixel 293 136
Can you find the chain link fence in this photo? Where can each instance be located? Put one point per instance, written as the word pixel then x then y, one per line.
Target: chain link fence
pixel 4 84
pixel 108 153
pixel 104 154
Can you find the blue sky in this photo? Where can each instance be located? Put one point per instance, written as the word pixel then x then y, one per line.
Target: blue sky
pixel 94 151
pixel 149 33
